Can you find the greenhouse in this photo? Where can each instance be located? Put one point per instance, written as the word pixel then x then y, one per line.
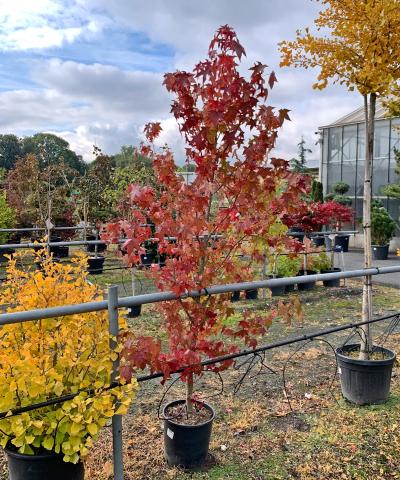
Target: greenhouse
pixel 343 155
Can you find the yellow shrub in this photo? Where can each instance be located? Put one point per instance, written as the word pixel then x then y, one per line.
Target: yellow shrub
pixel 47 358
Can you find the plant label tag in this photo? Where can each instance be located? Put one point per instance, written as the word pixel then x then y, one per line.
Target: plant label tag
pixel 170 433
pixel 339 371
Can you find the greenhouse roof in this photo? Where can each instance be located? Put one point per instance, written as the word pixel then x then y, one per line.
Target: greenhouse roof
pixel 357 116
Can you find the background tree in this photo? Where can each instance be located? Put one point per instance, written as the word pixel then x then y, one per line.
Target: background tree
pixel 91 202
pixel 299 164
pixel 50 148
pixel 37 193
pixel 130 155
pixel 317 194
pixel 10 150
pixel 7 217
pixel 139 171
pixel 360 50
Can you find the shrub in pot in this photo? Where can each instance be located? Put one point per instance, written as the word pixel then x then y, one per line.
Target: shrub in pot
pixel 286 265
pixel 43 359
pixel 382 230
pixel 324 264
pixel 196 327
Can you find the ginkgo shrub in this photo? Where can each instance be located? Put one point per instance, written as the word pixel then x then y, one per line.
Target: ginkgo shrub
pixel 48 358
pixel 239 193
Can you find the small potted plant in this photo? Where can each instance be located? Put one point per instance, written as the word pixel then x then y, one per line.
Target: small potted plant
pixel 382 230
pixel 284 265
pixel 48 358
pixel 324 264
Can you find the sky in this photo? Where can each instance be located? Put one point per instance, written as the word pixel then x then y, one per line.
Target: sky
pixel 91 71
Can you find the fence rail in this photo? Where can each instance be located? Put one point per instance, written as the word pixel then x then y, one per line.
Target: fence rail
pixel 113 303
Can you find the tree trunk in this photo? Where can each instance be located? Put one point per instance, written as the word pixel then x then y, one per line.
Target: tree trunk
pixel 369 111
pixel 189 394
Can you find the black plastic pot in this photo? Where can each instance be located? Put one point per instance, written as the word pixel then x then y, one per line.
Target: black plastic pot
pixel 380 252
pixel 277 290
pixel 289 288
pixel 251 294
pixel 42 466
pixel 92 248
pixel 95 265
pixel 365 382
pixel 331 283
pixel 342 241
pixel 55 249
pixel 319 241
pixel 147 259
pixel 235 297
pixel 308 285
pixel 186 446
pixel 134 311
pixel 63 252
pixel 6 251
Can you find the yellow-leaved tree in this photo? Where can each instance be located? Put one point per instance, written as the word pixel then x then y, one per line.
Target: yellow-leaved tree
pixel 356 44
pixel 48 358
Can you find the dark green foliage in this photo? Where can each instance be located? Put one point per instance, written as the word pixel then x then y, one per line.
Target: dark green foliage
pixel 317 194
pixel 299 164
pixel 10 150
pixel 393 190
pixel 382 224
pixel 7 218
pixel 341 188
pixel 129 157
pixel 339 194
pixel 51 149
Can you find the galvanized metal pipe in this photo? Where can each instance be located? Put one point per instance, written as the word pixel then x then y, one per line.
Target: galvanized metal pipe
pixel 39 229
pixel 118 463
pixel 125 302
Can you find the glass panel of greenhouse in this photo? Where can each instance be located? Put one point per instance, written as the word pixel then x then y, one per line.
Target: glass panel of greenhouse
pixel 343 156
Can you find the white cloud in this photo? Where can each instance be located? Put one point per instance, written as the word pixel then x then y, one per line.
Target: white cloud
pixel 40 24
pixel 108 105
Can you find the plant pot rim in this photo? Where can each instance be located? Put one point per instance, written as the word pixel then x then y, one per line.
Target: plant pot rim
pixel 38 456
pixel 382 246
pixel 99 257
pixel 309 272
pixel 356 346
pixel 333 269
pixel 181 425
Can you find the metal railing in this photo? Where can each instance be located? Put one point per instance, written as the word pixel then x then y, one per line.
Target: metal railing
pixel 113 303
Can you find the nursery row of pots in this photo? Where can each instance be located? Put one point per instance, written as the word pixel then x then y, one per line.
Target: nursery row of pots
pixel 284 289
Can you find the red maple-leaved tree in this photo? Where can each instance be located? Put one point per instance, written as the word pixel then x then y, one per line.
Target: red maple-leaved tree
pixel 239 194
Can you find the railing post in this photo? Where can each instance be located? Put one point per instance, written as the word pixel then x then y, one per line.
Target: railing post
pixel 117 419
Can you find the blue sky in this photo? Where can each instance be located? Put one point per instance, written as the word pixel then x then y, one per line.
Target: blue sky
pixel 91 70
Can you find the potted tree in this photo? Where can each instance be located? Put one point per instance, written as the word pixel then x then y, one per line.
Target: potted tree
pixel 43 359
pixel 334 214
pixel 283 265
pixel 214 105
pixel 346 54
pixel 382 230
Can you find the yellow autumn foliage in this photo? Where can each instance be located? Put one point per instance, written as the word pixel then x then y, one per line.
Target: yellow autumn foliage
pixel 355 43
pixel 47 358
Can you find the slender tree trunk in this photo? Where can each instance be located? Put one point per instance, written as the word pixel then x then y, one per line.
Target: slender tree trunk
pixel 367 289
pixel 189 394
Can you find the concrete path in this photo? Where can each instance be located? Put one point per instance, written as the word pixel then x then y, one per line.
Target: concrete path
pixel 353 260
